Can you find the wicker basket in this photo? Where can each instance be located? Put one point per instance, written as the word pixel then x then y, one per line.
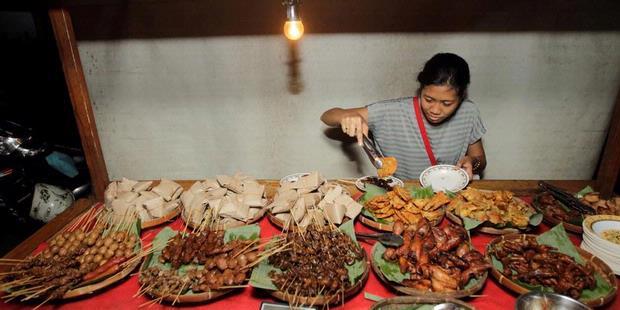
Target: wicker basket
pixel 409 302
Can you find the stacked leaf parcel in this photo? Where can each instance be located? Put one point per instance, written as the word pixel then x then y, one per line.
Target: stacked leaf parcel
pixel 495 212
pixel 316 265
pixel 432 261
pixel 149 202
pixel 311 199
pixel 382 209
pixel 199 266
pixel 227 201
pixel 94 251
pixel 551 263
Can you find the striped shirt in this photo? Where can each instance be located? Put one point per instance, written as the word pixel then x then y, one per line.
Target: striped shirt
pixel 396 133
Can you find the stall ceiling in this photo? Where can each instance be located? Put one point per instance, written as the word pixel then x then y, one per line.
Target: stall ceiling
pixel 204 18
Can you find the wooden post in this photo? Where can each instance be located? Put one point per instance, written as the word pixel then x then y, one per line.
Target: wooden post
pixel 609 168
pixel 78 92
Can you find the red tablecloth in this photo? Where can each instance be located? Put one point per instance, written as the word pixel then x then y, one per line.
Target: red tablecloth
pixel 119 296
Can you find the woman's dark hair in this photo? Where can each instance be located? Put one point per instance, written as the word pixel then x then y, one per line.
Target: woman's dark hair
pixel 446 69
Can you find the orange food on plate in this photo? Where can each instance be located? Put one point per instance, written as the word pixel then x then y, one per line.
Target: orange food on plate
pixel 389 167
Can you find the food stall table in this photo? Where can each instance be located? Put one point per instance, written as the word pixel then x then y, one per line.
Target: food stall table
pixel 121 294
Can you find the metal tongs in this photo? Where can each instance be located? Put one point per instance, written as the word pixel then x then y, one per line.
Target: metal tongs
pixel 388 239
pixel 373 153
pixel 566 198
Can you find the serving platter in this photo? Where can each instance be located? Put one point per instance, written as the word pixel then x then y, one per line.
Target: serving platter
pixel 552 221
pixel 97 279
pixel 391 181
pixel 489 228
pixel 598 265
pixel 164 219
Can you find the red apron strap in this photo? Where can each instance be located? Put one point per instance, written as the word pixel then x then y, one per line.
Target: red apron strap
pixel 427 143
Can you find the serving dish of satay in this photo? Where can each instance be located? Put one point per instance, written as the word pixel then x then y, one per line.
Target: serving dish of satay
pixel 550 262
pixel 492 212
pixel 313 265
pixel 198 265
pixel 309 198
pixel 94 251
pixel 408 205
pixel 571 215
pixel 432 261
pixel 154 202
pixel 224 202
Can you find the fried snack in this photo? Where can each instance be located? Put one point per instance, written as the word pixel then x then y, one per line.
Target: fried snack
pixel 602 206
pixel 399 205
pixel 390 164
pixel 497 207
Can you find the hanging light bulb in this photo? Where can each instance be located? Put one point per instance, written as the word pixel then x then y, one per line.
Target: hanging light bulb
pixel 293 27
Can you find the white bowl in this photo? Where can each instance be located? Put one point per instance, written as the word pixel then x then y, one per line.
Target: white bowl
pixel 444 178
pixel 594 225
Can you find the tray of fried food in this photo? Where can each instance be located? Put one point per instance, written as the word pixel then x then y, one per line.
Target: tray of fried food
pixel 492 212
pixel 383 208
pixel 432 261
pixel 197 266
pixel 224 202
pixel 314 265
pixel 94 251
pixel 550 262
pixel 155 203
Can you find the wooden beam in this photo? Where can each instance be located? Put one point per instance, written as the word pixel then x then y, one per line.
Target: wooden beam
pixel 609 168
pixel 78 92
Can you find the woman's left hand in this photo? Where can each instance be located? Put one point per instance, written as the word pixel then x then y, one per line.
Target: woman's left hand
pixel 467 164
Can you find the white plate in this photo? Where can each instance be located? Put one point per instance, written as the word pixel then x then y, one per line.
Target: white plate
pixel 392 181
pixel 444 178
pixel 293 177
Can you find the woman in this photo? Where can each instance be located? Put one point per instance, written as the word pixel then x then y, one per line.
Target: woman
pixel 438 126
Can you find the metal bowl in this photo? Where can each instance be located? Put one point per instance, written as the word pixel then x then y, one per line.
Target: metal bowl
pixel 548 301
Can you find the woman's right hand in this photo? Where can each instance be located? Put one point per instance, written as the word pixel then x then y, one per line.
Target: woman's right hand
pixel 354 125
pixel 354 121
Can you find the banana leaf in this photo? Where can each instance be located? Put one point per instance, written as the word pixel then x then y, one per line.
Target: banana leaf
pixel 558 238
pixel 584 191
pixel 260 275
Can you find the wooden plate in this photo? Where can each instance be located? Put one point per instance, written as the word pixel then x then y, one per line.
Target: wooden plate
pixel 325 300
pixel 280 224
pixel 187 298
pixel 158 221
pixel 253 220
pixel 487 227
pixel 437 295
pixel 390 226
pixel 598 265
pixel 484 229
pixel 554 221
pixel 101 283
pixel 412 302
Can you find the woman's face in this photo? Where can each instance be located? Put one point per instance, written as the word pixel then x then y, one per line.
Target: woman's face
pixel 438 103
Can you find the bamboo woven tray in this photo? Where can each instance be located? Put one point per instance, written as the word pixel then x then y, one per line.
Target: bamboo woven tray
pixel 598 265
pixel 326 300
pixel 436 295
pixel 390 226
pixel 253 220
pixel 409 302
pixel 158 221
pixel 552 221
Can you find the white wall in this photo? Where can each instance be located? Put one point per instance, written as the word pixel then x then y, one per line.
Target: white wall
pixel 192 108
